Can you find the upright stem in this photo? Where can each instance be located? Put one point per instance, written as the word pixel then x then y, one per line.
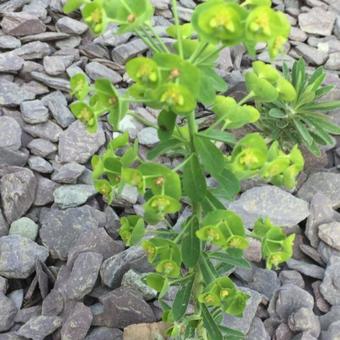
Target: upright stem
pixel 177 23
pixel 158 38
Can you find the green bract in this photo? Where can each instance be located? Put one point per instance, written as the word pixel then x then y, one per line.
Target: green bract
pixel 194 255
pixel 219 21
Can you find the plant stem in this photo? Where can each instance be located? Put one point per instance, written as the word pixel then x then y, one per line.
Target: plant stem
pixel 217 51
pixel 148 38
pixel 158 38
pixel 198 51
pixel 246 98
pixel 177 23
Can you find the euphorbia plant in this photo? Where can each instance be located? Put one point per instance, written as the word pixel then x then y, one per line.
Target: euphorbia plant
pixel 175 79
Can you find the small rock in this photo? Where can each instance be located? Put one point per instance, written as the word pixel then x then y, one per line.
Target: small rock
pixel 7 313
pixel 17 191
pixel 320 302
pixel 10 63
pixel 56 65
pixel 33 50
pixel 133 280
pixel 333 62
pixel 281 207
pixel 326 252
pixel 78 323
pixel 18 256
pixel 52 82
pixel 70 196
pixel 297 35
pixel 304 320
pixel 123 53
pixel 68 173
pixel 257 330
pixel 124 307
pixel 71 26
pixel 25 314
pixel 34 112
pixel 94 240
pixel 311 54
pixel 330 286
pixel 39 164
pixel 329 233
pixel 12 94
pixel 326 183
pixel 115 267
pixel 289 299
pixel 305 268
pixel 83 275
pixel 40 327
pixel 330 317
pixel 96 71
pixel 60 229
pixel 9 42
pixel 293 277
pixel 148 136
pixel 76 144
pixel 317 21
pixel 10 133
pixel 21 24
pixel 13 157
pixel 24 227
pixel 332 332
pixel 53 304
pixel 146 331
pixel 45 189
pixel 105 333
pixel 3 228
pixel 41 147
pixel 49 130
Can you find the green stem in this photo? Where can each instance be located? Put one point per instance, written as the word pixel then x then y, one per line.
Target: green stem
pixel 177 23
pixel 147 41
pixel 209 55
pixel 150 39
pixel 198 51
pixel 179 166
pixel 250 95
pixel 158 38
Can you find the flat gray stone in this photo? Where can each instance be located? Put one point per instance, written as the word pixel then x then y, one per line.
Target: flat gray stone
pixel 311 55
pixel 83 276
pixel 96 70
pixel 40 327
pixel 12 94
pixel 281 207
pixel 304 320
pixel 123 307
pixel 148 136
pixel 39 164
pixel 9 42
pixel 45 189
pixel 49 130
pixel 330 234
pixel 326 183
pixel 33 50
pixel 52 82
pixel 45 36
pixel 21 24
pixel 68 173
pixel 13 157
pixel 333 63
pixel 10 133
pixel 306 268
pixel 18 256
pixel 70 196
pixel 76 144
pixel 7 313
pixel 34 112
pixel 71 26
pixel 41 147
pixel 10 63
pixel 60 229
pixel 123 53
pixel 330 286
pixel 78 323
pixel 317 21
pixel 257 330
pixel 17 192
pixel 24 227
pixel 94 240
pixel 3 230
pixel 115 267
pixel 57 65
pixel 57 104
pixel 105 333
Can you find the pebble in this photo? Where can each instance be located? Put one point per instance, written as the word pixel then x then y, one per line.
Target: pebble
pixel 11 94
pixel 333 62
pixel 39 164
pixel 10 133
pixel 41 147
pixel 8 312
pixel 306 268
pixel 24 227
pixel 49 130
pixel 282 208
pixel 317 21
pixel 312 55
pixel 76 144
pixel 57 65
pixel 148 136
pixel 96 70
pixel 330 286
pixel 52 82
pixel 70 196
pixel 330 234
pixel 44 193
pixel 68 173
pixel 71 26
pixel 9 42
pixel 18 256
pixel 33 50
pixel 34 112
pixel 10 63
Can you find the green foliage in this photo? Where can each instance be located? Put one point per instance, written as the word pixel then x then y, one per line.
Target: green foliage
pixel 297 115
pixel 200 255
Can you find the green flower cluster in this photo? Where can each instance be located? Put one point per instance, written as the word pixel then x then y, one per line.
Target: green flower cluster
pixel 252 157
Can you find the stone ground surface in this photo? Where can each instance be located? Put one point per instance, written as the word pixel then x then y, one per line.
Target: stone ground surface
pixel 64 273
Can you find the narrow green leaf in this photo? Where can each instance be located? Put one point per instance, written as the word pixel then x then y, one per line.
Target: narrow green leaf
pixel 182 300
pixel 210 324
pixel 162 148
pixel 191 246
pixel 232 334
pixel 207 269
pixel 218 135
pixel 230 257
pixel 322 107
pixel 211 157
pixel 194 183
pixel 303 132
pixel 229 184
